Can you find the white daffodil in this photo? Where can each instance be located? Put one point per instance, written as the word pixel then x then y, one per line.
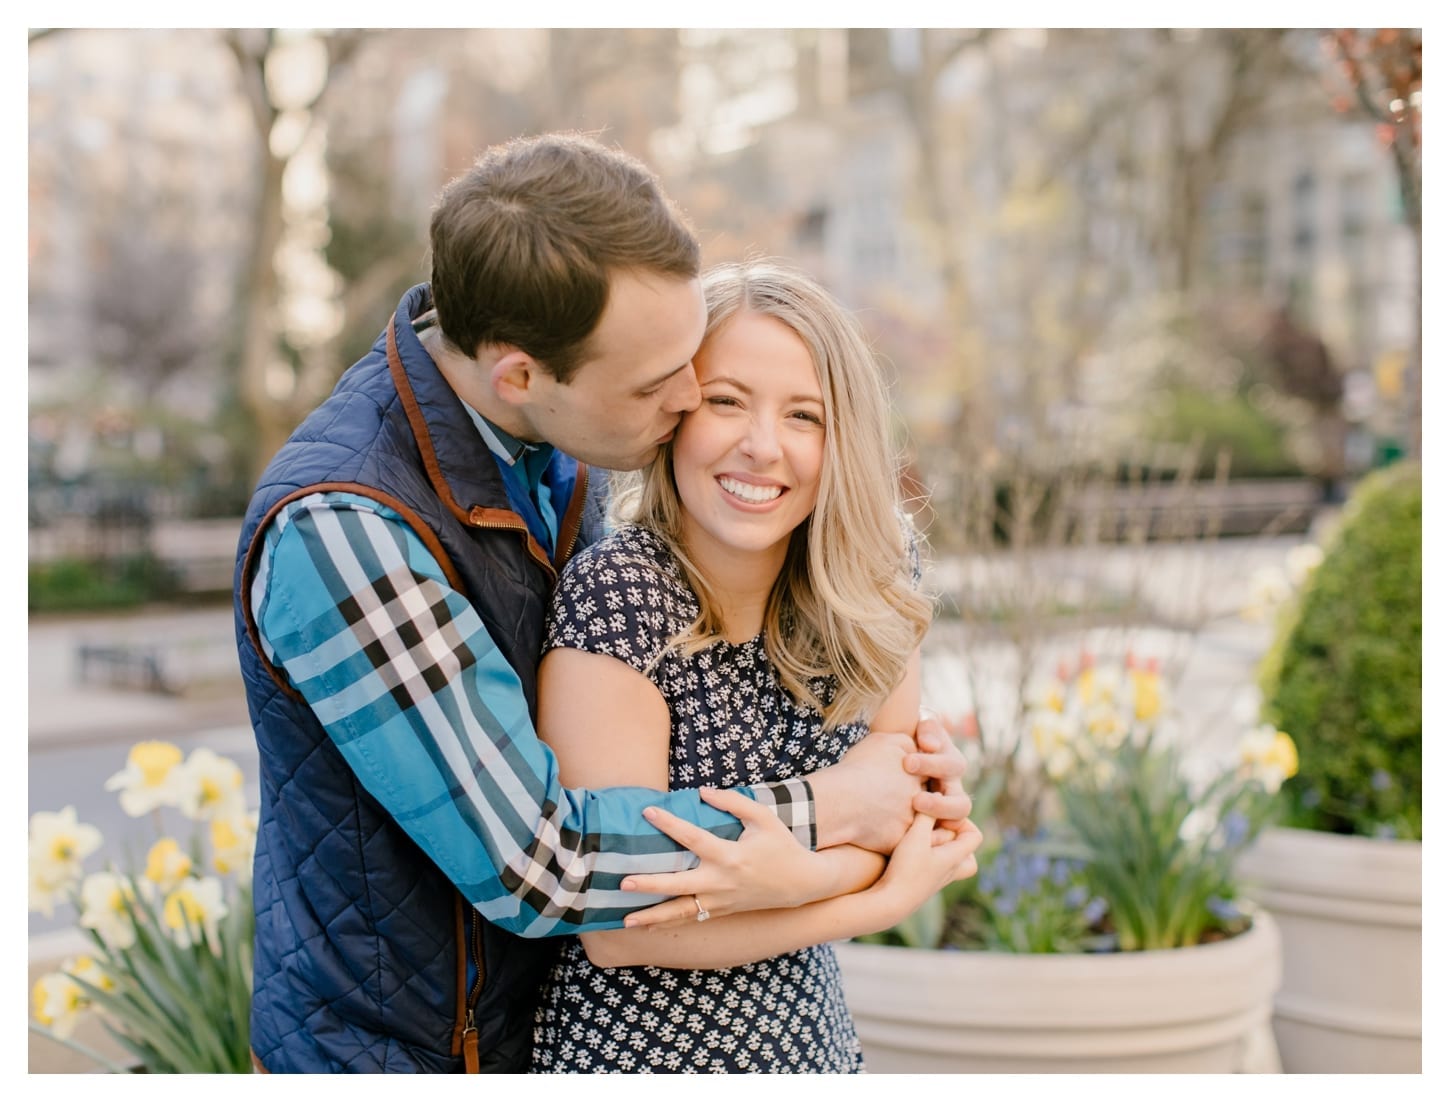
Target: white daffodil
pixel 58 1001
pixel 195 905
pixel 1302 561
pixel 1098 685
pixel 1052 738
pixel 167 864
pixel 86 968
pixel 1269 756
pixel 1268 589
pixel 1047 694
pixel 209 786
pixel 104 909
pixel 1198 825
pixel 148 780
pixel 1106 725
pixel 234 843
pixel 58 845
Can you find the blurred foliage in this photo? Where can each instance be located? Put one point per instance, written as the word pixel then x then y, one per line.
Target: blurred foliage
pixel 1231 423
pixel 73 585
pixel 1343 676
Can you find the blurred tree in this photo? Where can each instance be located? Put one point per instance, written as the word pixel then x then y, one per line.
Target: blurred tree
pixel 1380 72
pixel 283 112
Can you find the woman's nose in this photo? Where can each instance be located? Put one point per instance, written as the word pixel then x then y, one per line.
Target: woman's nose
pixel 761 442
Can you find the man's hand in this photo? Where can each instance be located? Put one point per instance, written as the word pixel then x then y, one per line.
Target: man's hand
pixel 866 798
pixel 939 761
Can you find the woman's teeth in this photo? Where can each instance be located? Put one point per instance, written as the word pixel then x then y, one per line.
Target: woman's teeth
pixel 757 495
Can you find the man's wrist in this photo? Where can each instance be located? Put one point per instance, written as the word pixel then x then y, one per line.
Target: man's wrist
pixel 834 826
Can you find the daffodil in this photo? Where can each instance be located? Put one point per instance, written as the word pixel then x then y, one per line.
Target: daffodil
pixel 196 906
pixel 167 864
pixel 1269 756
pixel 58 845
pixel 1048 693
pixel 1268 588
pixel 148 781
pixel 104 909
pixel 209 786
pixel 86 968
pixel 1302 561
pixel 1147 686
pixel 1052 737
pixel 1106 725
pixel 58 1002
pixel 233 843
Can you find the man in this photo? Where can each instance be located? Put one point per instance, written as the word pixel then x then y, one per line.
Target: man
pixel 416 849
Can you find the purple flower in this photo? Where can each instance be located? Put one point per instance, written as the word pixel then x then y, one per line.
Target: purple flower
pixel 1092 913
pixel 1061 870
pixel 1380 781
pixel 1225 910
pixel 1235 829
pixel 1384 830
pixel 1076 896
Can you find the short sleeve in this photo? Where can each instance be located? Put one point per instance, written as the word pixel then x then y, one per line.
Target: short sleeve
pixel 617 598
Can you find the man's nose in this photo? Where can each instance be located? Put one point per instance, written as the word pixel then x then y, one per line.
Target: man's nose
pixel 683 392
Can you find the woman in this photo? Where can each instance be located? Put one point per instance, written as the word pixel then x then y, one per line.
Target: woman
pixel 756 616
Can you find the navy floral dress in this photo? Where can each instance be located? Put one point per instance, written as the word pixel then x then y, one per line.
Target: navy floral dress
pixel 731 723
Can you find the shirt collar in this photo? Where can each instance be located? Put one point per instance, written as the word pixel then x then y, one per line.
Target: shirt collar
pixel 508 448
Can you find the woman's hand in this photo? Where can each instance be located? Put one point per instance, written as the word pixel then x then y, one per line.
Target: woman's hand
pixel 766 868
pixel 918 869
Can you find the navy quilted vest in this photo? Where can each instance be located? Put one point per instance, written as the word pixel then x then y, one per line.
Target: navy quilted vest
pixel 362 942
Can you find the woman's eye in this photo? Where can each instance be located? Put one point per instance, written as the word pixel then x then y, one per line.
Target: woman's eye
pixel 806 415
pixel 722 400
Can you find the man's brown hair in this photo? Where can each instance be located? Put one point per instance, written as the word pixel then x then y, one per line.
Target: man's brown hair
pixel 525 241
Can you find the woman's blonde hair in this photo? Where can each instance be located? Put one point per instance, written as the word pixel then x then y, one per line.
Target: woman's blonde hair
pixel 844 603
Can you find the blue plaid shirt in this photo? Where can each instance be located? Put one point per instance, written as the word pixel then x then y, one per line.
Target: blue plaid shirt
pixel 405 679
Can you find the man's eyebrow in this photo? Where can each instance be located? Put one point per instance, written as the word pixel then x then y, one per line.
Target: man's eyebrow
pixel 666 377
pixel 738 385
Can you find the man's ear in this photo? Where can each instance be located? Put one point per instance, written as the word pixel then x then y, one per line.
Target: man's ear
pixel 514 376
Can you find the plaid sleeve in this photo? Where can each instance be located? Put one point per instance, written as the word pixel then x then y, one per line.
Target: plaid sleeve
pixel 405 679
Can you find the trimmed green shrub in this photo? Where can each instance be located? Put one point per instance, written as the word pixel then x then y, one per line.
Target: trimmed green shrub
pixel 77 585
pixel 1343 676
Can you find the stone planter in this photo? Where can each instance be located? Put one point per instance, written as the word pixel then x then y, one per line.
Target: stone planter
pixel 1201 1009
pixel 1349 910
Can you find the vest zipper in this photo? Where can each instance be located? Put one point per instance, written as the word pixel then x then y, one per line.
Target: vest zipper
pixel 581 487
pixel 470 1023
pixel 477 518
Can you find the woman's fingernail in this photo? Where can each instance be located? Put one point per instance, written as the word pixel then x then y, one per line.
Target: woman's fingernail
pixel 631 921
pixel 628 886
pixel 651 813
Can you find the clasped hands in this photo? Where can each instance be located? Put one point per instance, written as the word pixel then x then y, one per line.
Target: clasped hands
pixel 866 804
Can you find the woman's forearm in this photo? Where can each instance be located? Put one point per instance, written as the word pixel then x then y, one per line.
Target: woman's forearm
pixel 741 938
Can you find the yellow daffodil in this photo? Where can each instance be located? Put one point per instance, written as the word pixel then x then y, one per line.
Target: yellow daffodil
pixel 58 1002
pixel 104 909
pixel 1147 687
pixel 148 781
pixel 167 864
pixel 209 786
pixel 234 843
pixel 195 905
pixel 1269 756
pixel 58 845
